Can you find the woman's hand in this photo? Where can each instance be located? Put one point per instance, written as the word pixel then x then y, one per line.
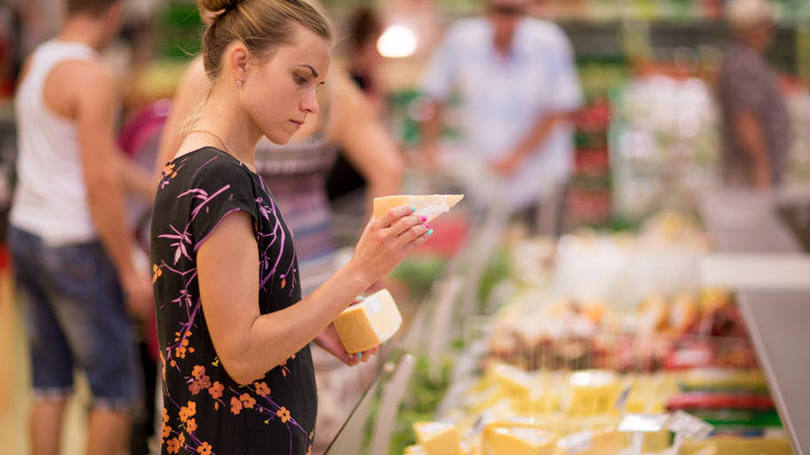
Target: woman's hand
pixel 329 340
pixel 386 241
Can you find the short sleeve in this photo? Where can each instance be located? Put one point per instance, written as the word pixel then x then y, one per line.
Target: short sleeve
pixel 221 187
pixel 439 77
pixel 741 77
pixel 567 91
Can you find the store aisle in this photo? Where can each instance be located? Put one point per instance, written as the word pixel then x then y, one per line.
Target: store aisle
pixel 14 388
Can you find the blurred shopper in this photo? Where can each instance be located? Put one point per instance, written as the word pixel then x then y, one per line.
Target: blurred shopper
pixel 345 185
pixel 296 174
pixel 72 251
pixel 756 127
pixel 518 85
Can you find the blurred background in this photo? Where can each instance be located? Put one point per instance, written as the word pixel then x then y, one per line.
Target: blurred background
pixel 658 266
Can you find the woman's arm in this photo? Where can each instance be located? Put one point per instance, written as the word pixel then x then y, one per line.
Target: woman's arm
pixel 248 343
pixel 187 101
pixel 367 145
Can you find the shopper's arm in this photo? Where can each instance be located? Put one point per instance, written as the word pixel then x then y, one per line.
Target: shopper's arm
pixel 365 142
pixel 749 131
pixel 136 179
pixel 95 113
pixel 249 343
pixel 431 130
pixel 190 95
pixel 528 144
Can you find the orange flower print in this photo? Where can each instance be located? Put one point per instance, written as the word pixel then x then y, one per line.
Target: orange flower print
pixel 201 380
pixel 191 425
pixel 180 352
pixel 283 414
pixel 156 273
pixel 247 401
pixel 216 390
pixel 188 411
pixel 165 416
pixel 166 431
pixel 204 449
pixel 236 406
pixel 181 440
pixel 173 445
pixel 198 371
pixel 261 389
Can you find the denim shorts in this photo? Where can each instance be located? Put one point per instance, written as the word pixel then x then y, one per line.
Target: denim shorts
pixel 75 318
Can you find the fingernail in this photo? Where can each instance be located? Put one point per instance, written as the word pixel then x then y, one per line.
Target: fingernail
pixel 424 219
pixel 360 355
pixel 427 226
pixel 359 297
pixel 413 208
pixel 430 232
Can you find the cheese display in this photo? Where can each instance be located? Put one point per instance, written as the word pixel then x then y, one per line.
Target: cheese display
pixel 517 439
pixel 368 324
pixel 436 438
pixel 428 206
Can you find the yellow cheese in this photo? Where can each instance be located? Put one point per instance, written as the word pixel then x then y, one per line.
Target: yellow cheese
pixel 437 438
pixel 517 439
pixel 428 206
pixel 414 450
pixel 593 443
pixel 369 323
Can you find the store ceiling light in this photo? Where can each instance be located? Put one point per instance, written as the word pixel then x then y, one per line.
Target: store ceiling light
pixel 397 41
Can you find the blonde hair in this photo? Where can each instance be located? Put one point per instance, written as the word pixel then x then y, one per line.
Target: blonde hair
pixel 262 25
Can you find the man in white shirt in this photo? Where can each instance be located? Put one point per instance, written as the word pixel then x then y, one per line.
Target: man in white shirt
pixel 518 85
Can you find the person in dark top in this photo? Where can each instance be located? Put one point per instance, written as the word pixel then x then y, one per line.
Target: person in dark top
pixel 233 330
pixel 363 30
pixel 756 127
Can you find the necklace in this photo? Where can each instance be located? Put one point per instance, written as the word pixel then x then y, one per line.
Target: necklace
pixel 224 147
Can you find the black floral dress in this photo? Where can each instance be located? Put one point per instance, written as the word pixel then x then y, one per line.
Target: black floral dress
pixel 205 411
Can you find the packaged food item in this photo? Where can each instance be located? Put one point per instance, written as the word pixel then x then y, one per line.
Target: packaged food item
pixel 428 206
pixel 593 443
pixel 516 438
pixel 368 324
pixel 437 438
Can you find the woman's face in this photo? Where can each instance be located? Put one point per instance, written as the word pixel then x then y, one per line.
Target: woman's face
pixel 280 92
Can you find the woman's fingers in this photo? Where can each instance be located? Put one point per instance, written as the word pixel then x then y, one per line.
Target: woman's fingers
pixel 393 215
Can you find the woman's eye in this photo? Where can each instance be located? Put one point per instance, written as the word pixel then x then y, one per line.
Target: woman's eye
pixel 300 80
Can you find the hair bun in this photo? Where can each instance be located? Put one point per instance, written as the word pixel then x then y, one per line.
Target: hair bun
pixel 214 6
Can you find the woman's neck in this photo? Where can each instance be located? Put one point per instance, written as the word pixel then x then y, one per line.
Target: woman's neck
pixel 228 123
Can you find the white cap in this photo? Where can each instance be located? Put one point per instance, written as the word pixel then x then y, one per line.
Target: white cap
pixel 744 14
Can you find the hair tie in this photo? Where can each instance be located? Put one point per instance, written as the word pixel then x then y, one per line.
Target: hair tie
pixel 211 16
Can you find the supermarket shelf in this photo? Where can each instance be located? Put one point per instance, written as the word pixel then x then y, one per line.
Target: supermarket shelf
pixel 777 321
pixel 747 224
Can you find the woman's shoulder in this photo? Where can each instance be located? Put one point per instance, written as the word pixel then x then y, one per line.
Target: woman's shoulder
pixel 208 164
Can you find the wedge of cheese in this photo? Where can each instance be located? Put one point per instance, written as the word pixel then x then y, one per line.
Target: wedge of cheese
pixel 593 443
pixel 506 439
pixel 437 438
pixel 414 450
pixel 428 206
pixel 369 323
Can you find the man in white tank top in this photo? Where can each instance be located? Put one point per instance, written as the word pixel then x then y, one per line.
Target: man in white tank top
pixel 72 251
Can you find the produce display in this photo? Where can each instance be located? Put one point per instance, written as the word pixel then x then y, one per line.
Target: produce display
pixel 602 336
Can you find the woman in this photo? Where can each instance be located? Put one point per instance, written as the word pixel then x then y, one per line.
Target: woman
pixel 233 329
pixel 296 175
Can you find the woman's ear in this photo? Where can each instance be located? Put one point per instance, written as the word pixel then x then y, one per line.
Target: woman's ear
pixel 238 57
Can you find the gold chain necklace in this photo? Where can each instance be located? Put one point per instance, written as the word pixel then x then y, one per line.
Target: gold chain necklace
pixel 224 147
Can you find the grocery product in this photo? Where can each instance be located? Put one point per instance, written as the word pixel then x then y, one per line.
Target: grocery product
pixel 369 323
pixel 738 446
pixel 593 443
pixel 428 206
pixel 513 438
pixel 437 438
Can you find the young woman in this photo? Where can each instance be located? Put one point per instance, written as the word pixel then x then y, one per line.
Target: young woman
pixel 234 331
